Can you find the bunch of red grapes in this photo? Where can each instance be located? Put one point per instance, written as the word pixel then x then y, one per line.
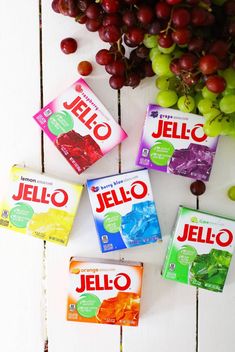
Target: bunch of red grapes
pixel 188 44
pixel 123 24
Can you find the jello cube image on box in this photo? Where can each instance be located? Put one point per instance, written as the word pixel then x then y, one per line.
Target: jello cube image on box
pixel 80 126
pixel 124 210
pixel 104 291
pixel 39 205
pixel 174 142
pixel 200 249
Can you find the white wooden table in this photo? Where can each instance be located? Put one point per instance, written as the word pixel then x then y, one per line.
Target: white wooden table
pixel 34 277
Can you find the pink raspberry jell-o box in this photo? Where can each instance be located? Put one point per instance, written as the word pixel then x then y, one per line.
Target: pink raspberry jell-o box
pixel 80 126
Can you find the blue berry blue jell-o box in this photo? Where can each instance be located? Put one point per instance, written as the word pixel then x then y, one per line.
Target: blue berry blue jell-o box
pixel 124 210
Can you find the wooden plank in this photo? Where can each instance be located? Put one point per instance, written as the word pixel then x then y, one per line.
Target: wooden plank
pixel 165 304
pixel 59 72
pixel 21 257
pixel 217 310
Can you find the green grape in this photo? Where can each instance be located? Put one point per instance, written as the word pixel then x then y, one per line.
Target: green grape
pixel 227 124
pixel 205 105
pixel 150 41
pixel 212 127
pixel 186 103
pixel 197 98
pixel 166 98
pixel 207 94
pixel 228 91
pixel 161 65
pixel 163 82
pixel 153 53
pixel 229 75
pixel 213 113
pixel 231 193
pixel 166 50
pixel 227 104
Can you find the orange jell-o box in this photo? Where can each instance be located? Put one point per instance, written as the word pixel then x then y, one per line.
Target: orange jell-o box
pixel 104 292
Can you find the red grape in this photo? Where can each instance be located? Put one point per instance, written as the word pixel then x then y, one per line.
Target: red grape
pixel 147 66
pixel 104 57
pixel 84 68
pixel 165 40
pixel 129 18
pixel 197 188
pixel 93 11
pixel 81 19
pixel 110 6
pixel 175 67
pixel 181 36
pixel 116 82
pixel 198 16
pixel 110 33
pixel 93 25
pixel 163 10
pixel 118 67
pixel 181 17
pixel 219 48
pixel 133 80
pixel 187 61
pixel 196 45
pixel 154 28
pixel 216 84
pixel 113 18
pixel 135 35
pixel 68 45
pixel 208 64
pixel 54 6
pixel 145 14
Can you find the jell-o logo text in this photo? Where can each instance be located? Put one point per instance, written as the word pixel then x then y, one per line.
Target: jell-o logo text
pixel 194 233
pixel 83 112
pixel 170 129
pixel 58 198
pixel 108 199
pixel 121 282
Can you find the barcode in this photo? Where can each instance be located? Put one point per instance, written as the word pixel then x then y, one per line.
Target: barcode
pixel 72 307
pixel 5 213
pixel 47 112
pixel 145 152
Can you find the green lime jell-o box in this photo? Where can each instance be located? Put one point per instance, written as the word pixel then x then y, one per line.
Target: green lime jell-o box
pixel 200 249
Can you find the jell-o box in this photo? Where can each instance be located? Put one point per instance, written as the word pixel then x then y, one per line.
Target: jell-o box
pixel 200 249
pixel 39 205
pixel 124 210
pixel 174 142
pixel 80 126
pixel 104 291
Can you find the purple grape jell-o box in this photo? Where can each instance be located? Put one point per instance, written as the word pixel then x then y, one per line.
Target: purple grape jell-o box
pixel 174 142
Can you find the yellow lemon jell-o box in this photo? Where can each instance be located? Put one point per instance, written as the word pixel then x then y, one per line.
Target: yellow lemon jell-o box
pixel 39 205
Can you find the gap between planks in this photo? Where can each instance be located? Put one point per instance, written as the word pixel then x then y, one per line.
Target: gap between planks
pixel 42 170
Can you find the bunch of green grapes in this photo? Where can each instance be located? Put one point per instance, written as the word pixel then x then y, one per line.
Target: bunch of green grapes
pixel 194 59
